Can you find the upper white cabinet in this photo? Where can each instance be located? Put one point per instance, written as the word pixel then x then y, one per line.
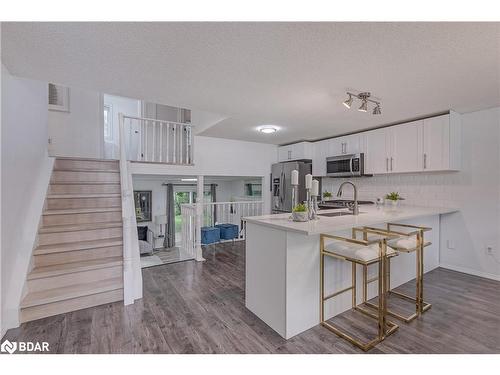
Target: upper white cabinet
pixel 349 144
pixel 405 147
pixel 432 144
pixel 321 152
pixel 442 138
pixel 377 151
pixel 296 151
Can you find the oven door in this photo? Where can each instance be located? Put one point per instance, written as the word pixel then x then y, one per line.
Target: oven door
pixel 344 165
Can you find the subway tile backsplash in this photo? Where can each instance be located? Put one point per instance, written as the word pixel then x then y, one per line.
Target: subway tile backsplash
pixel 421 189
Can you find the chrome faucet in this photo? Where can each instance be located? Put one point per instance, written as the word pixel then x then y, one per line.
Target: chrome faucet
pixel 355 209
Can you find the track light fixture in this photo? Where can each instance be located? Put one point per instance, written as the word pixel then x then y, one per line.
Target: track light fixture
pixel 365 98
pixel 348 102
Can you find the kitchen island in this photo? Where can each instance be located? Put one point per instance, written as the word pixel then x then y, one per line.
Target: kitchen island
pixel 282 263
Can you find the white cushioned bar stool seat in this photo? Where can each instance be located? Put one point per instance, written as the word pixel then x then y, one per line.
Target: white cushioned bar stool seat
pixel 364 254
pixel 405 244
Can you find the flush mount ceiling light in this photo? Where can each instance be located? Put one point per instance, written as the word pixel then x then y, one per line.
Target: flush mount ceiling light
pixel 267 129
pixel 365 98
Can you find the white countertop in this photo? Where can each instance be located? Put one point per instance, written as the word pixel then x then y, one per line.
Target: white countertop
pixel 369 215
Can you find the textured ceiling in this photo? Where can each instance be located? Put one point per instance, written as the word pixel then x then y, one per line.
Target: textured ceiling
pixel 290 74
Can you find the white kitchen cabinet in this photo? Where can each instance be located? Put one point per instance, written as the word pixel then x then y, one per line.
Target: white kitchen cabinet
pixel 432 144
pixel 405 147
pixel 321 152
pixel 296 151
pixel 442 143
pixel 377 151
pixel 349 144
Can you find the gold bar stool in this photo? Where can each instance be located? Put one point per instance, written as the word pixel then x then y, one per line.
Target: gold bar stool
pixel 364 253
pixel 407 242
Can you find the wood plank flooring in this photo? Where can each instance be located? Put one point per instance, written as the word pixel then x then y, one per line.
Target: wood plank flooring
pixel 191 307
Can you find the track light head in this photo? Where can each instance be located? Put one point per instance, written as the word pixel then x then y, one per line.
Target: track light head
pixel 377 110
pixel 364 106
pixel 348 102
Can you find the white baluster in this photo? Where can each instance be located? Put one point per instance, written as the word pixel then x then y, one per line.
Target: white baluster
pixel 174 147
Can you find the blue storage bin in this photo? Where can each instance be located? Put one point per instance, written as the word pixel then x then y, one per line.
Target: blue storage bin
pixel 209 235
pixel 228 231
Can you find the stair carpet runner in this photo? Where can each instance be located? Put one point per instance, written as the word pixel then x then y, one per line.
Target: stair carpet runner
pixel 78 260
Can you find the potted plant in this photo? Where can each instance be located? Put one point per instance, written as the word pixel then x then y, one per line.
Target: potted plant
pixel 394 198
pixel 327 195
pixel 300 213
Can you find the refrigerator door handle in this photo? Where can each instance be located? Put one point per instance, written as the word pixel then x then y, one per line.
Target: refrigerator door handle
pixel 282 183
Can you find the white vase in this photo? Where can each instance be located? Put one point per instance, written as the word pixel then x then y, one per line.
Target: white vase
pixel 300 216
pixel 395 203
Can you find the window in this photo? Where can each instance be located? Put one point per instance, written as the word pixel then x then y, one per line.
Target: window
pixel 253 190
pixel 108 122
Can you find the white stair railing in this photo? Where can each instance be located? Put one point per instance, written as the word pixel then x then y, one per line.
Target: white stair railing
pixel 216 213
pixel 188 229
pixel 132 275
pixel 158 141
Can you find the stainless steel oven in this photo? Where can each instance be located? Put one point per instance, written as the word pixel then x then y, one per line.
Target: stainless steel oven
pixel 345 165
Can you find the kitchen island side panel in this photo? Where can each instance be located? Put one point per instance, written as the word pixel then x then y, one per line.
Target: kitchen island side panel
pixel 302 283
pixel 265 275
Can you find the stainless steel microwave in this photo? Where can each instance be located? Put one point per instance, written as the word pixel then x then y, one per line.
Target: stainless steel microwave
pixel 345 165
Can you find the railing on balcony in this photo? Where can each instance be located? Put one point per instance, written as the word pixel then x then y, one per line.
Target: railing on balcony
pixel 158 141
pixel 215 213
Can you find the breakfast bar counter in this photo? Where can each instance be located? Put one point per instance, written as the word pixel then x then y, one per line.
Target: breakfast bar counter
pixel 282 262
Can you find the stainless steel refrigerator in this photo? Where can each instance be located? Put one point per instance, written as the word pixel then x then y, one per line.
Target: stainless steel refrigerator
pixel 281 184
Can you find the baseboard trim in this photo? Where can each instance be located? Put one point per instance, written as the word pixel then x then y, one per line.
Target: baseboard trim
pixel 471 271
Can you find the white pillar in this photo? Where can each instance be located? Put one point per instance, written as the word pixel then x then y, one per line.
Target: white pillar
pixel 199 216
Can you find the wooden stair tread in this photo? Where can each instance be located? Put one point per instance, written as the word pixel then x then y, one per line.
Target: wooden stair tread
pixel 72 291
pixel 79 227
pixel 88 159
pixel 73 211
pixel 84 170
pixel 84 183
pixel 64 268
pixel 72 196
pixel 80 245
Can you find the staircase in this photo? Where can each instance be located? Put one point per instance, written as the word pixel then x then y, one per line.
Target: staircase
pixel 78 260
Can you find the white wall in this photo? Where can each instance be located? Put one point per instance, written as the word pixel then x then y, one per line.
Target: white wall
pixel 127 106
pixel 222 157
pixel 26 170
pixel 79 132
pixel 475 190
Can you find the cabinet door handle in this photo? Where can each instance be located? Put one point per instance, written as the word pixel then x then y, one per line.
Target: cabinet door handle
pixel 425 161
pixel 391 163
pixel 387 164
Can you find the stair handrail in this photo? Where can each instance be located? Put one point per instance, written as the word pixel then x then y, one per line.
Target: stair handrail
pixel 132 276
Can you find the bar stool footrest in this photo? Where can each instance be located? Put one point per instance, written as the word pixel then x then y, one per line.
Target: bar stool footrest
pixel 407 319
pixel 363 345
